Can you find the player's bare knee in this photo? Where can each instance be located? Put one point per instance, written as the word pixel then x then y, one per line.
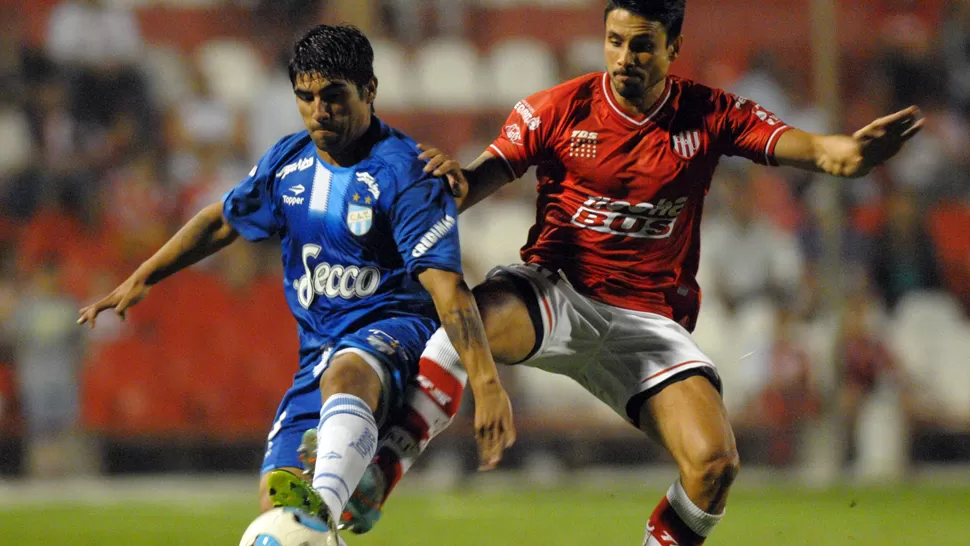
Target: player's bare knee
pixel 351 376
pixel 723 470
pixel 492 298
pixel 496 321
pixel 505 316
pixel 713 470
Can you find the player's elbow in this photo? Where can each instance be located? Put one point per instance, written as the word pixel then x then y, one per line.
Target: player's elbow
pixel 444 286
pixel 218 225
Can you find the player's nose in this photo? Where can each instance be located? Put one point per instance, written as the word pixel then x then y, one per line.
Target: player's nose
pixel 322 119
pixel 626 59
pixel 321 111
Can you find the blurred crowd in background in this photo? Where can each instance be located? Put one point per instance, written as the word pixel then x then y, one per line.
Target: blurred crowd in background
pixel 121 119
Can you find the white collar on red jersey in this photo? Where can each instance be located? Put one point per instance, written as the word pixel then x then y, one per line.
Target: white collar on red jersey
pixel 608 93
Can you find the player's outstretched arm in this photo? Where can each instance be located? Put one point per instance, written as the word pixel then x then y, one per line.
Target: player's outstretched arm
pixel 483 177
pixel 850 156
pixel 206 233
pixel 494 427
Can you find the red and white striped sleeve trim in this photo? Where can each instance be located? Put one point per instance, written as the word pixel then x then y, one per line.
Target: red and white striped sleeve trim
pixel 508 165
pixel 772 142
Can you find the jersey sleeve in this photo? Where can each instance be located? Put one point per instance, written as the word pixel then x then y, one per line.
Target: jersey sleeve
pixel 748 130
pixel 525 137
pixel 424 221
pixel 250 207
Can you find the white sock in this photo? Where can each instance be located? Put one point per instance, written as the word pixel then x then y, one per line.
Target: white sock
pixel 696 519
pixel 346 442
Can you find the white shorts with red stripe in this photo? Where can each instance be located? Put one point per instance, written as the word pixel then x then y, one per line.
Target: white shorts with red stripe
pixel 619 355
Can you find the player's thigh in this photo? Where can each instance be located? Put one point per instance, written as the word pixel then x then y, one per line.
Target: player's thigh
pixel 677 398
pixel 550 325
pixel 689 419
pixel 509 325
pixel 265 503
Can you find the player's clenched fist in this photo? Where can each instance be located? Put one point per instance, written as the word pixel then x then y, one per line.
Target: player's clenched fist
pixel 127 294
pixel 494 429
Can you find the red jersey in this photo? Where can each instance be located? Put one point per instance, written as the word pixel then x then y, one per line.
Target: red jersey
pixel 620 197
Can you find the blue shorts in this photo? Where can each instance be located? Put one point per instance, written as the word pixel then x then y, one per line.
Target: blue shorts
pixel 391 346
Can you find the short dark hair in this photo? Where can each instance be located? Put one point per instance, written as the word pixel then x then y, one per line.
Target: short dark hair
pixel 340 52
pixel 669 13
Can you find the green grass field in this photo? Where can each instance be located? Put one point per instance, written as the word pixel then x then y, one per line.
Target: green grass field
pixel 787 516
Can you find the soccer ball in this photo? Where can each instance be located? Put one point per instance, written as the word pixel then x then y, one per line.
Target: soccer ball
pixel 288 527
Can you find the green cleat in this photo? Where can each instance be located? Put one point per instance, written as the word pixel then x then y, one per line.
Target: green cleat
pixel 286 489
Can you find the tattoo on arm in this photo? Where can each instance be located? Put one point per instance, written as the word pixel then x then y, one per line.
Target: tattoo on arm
pixel 464 328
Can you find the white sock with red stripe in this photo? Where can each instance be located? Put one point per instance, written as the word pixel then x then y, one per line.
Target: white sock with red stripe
pixel 677 521
pixel 431 403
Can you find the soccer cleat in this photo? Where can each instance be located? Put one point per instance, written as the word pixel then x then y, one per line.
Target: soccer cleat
pixel 286 489
pixel 307 452
pixel 363 510
pixel 364 507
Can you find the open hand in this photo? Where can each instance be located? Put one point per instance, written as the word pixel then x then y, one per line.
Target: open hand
pixel 441 164
pixel 494 427
pixel 884 137
pixel 127 294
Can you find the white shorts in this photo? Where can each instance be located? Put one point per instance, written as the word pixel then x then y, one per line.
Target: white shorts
pixel 619 355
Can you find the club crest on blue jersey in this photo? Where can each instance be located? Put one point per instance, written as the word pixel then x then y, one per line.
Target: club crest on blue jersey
pixel 359 219
pixel 385 343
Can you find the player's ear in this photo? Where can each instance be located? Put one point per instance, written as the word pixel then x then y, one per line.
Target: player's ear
pixel 370 91
pixel 673 48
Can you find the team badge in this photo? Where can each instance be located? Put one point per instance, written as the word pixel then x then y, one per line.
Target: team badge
pixel 386 344
pixel 383 342
pixel 686 144
pixel 359 219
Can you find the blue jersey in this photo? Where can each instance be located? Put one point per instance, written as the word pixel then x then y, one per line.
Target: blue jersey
pixel 354 238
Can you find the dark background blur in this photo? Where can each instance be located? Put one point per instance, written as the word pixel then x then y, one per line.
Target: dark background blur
pixel 836 311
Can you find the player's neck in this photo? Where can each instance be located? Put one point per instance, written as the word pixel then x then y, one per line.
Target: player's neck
pixel 641 106
pixel 358 150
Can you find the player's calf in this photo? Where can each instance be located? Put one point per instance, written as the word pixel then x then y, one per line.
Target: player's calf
pixel 689 419
pixel 346 438
pixel 431 402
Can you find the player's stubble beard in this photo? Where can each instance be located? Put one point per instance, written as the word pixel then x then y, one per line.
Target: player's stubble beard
pixel 644 82
pixel 634 90
pixel 636 93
